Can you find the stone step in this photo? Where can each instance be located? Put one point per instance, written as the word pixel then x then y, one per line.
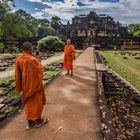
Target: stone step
pixel 2 117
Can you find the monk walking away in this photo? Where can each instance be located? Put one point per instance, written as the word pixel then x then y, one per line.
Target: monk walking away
pixel 69 56
pixel 28 76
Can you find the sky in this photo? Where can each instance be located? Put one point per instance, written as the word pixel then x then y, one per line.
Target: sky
pixel 124 11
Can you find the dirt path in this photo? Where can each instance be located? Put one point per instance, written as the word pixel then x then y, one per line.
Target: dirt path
pixel 50 60
pixel 71 107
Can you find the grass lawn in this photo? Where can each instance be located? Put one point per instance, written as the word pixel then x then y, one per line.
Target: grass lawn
pixel 128 68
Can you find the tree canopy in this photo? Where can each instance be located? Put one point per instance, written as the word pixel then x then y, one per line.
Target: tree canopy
pixel 55 22
pixel 4 7
pixel 21 24
pixel 134 29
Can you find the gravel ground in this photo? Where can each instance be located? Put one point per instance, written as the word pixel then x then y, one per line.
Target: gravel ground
pixel 127 123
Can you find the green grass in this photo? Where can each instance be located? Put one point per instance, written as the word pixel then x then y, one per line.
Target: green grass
pixel 7 79
pixel 59 53
pixel 58 61
pixel 78 54
pixel 2 88
pixel 136 109
pixel 13 94
pixel 8 55
pixel 128 68
pixel 14 109
pixel 10 68
pixel 51 73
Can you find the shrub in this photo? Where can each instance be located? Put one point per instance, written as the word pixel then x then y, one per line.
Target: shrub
pixel 16 50
pixel 51 43
pixel 2 46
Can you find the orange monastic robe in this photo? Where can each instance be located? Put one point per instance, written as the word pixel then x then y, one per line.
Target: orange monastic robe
pixel 28 76
pixel 69 55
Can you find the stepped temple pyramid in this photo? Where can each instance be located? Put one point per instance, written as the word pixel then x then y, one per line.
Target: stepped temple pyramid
pixel 94 28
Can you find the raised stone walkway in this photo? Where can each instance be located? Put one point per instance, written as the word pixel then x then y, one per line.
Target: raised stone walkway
pixel 71 107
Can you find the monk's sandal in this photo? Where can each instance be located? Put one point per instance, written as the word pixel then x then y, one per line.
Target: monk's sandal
pixel 30 125
pixel 41 122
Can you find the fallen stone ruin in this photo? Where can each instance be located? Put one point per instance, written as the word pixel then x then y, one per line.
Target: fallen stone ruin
pixel 119 120
pixel 8 62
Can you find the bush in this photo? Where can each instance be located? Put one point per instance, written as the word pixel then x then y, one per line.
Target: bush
pixel 52 43
pixel 16 50
pixel 58 45
pixel 2 46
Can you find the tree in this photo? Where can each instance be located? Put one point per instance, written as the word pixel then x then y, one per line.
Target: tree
pixel 30 22
pixel 0 30
pixel 43 22
pixel 38 27
pixel 55 22
pixel 4 7
pixel 14 26
pixel 134 29
pixel 2 46
pixel 22 24
pixel 46 31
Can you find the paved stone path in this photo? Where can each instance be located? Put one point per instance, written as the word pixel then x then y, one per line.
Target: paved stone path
pixel 50 60
pixel 71 107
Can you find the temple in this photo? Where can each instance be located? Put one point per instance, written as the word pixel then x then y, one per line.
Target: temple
pixel 94 29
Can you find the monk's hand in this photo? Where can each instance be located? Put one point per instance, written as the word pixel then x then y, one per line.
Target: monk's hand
pixel 41 87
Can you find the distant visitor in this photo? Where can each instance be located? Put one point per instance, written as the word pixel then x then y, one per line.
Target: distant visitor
pixel 69 56
pixel 28 76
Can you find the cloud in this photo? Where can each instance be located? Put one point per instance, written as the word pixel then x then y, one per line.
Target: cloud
pixel 36 9
pixel 126 11
pixel 38 15
pixel 38 1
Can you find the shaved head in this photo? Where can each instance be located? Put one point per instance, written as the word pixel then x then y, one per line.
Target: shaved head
pixel 27 47
pixel 68 41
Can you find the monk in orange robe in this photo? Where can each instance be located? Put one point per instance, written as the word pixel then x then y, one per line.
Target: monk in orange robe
pixel 28 76
pixel 69 56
